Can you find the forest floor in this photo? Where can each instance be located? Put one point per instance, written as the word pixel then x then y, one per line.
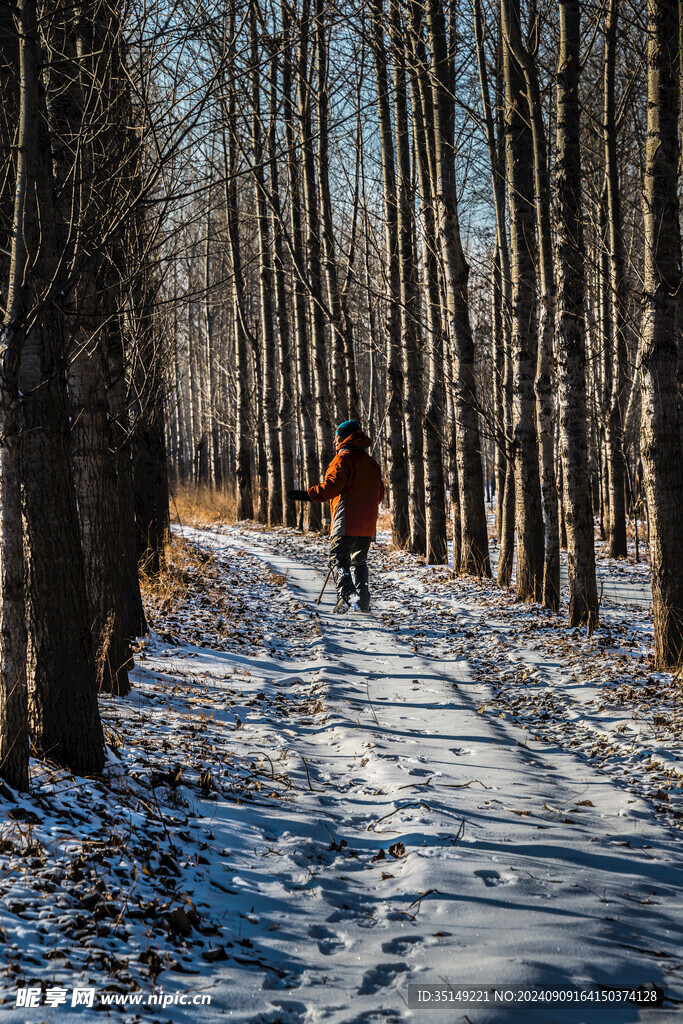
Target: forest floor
pixel 303 814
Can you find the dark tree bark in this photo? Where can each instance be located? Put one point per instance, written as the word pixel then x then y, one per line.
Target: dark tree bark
pixel 285 353
pixel 583 597
pixel 405 226
pixel 452 457
pixel 433 419
pixel 120 443
pixel 500 299
pixel 312 511
pixel 245 500
pixel 519 143
pixel 64 717
pixel 96 484
pixel 150 464
pixel 397 469
pixel 268 383
pixel 617 337
pixel 323 426
pixel 13 702
pixel 659 435
pixel 544 382
pixel 340 327
pixel 474 555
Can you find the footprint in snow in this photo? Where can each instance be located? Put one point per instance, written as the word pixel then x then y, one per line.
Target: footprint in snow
pixel 328 942
pixel 282 1013
pixel 277 980
pixel 379 977
pixel 360 914
pixel 380 1016
pixel 491 878
pixel 400 946
pixel 309 852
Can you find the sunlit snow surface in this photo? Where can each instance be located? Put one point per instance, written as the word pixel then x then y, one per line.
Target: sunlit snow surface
pixel 270 751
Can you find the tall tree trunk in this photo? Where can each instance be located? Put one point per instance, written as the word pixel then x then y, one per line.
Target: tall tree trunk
pixel 498 364
pixel 397 469
pixel 660 437
pixel 323 404
pixel 452 455
pixel 120 142
pixel 583 597
pixel 245 501
pixel 543 384
pixel 433 419
pixel 340 324
pixel 500 300
pixel 285 354
pixel 13 703
pixel 150 475
pixel 64 717
pixel 605 321
pixel 680 239
pixel 312 511
pixel 258 418
pixel 268 383
pixel 617 339
pixel 412 399
pixel 519 143
pixel 120 441
pixel 474 554
pixel 195 390
pixel 209 342
pixel 96 483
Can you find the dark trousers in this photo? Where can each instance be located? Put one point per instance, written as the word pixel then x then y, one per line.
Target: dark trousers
pixel 348 558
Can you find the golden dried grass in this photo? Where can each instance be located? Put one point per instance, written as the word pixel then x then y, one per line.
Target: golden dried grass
pixel 198 506
pixel 185 566
pixel 384 522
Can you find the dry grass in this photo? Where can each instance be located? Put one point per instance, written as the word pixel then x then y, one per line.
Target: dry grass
pixel 384 521
pixel 215 602
pixel 197 506
pixel 184 568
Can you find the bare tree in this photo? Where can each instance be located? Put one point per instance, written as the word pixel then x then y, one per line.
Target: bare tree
pixel 398 475
pixel 583 597
pixel 617 322
pixel 474 556
pixel 660 437
pixel 519 142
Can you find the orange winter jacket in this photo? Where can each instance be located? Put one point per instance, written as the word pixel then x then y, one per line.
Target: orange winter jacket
pixel 353 484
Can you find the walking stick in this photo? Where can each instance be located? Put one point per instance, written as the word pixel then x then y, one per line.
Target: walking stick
pixel 320 595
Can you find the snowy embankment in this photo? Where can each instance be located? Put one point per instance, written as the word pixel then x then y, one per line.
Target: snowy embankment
pixel 304 813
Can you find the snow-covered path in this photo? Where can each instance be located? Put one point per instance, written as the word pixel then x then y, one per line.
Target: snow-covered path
pixel 522 864
pixel 308 813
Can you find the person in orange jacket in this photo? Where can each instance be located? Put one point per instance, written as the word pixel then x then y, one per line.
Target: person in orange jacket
pixel 353 486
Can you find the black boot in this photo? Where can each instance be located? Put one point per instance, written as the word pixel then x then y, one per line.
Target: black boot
pixel 345 588
pixel 360 579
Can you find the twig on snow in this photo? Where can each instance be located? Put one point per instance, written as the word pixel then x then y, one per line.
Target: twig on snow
pixel 400 994
pixel 413 803
pixel 367 687
pixel 308 776
pixel 262 753
pixel 417 785
pixel 464 785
